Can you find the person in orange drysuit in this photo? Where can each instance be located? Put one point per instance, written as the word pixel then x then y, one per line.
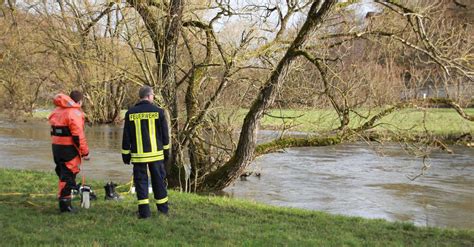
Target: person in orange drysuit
pixel 69 144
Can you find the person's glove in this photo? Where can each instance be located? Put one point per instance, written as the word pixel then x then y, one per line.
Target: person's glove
pixel 86 157
pixel 126 158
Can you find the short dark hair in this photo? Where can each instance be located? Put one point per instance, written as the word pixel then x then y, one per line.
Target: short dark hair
pixel 145 91
pixel 76 96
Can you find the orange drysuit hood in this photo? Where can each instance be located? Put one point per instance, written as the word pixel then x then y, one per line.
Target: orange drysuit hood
pixel 65 101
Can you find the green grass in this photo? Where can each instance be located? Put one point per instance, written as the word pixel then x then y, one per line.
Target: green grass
pixel 43 114
pixel 31 219
pixel 438 121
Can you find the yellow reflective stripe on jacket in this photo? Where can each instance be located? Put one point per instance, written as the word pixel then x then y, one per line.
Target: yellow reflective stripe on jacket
pixel 152 131
pixel 166 147
pixel 147 154
pixel 161 201
pixel 146 160
pixel 138 135
pixel 125 151
pixel 144 201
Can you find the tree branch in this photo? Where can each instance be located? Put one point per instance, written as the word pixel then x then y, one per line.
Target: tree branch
pixel 95 20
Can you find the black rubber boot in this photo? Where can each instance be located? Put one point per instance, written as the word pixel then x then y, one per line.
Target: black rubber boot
pixel 65 206
pixel 110 193
pixel 144 211
pixel 162 208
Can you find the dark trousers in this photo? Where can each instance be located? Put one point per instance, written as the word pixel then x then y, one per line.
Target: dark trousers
pixel 67 166
pixel 140 179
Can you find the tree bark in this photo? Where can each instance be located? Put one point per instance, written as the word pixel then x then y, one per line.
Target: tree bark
pixel 168 67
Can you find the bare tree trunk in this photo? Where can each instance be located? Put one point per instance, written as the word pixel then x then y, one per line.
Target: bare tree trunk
pixel 172 31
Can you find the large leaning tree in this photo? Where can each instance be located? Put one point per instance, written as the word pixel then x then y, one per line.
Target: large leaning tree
pixel 192 90
pixel 165 23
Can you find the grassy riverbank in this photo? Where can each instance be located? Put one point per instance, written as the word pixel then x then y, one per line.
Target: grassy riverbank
pixel 439 121
pixel 28 217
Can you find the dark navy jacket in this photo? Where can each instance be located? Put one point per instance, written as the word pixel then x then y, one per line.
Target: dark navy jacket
pixel 145 134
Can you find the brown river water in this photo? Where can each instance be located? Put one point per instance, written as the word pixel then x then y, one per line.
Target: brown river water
pixel 350 179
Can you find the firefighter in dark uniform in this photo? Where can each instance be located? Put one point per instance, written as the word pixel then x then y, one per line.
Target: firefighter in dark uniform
pixel 69 144
pixel 145 144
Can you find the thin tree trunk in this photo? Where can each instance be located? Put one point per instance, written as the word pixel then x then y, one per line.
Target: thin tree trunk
pixel 168 66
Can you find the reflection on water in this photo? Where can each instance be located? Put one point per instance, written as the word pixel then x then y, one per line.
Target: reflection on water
pixel 349 179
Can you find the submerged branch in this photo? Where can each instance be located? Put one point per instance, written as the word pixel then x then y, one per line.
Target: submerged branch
pixel 288 142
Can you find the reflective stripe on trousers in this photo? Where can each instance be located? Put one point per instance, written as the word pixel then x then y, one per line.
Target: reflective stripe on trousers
pixel 140 179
